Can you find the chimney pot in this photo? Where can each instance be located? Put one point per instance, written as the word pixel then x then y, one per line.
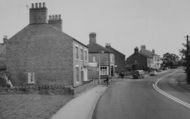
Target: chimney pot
pixel 40 5
pixel 136 49
pixel 153 51
pixel 56 17
pixel 143 47
pixel 5 39
pixel 108 44
pixel 55 20
pixel 36 5
pixel 44 5
pixel 38 14
pixel 32 5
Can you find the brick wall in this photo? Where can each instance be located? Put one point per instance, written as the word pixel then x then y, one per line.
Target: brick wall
pixel 138 59
pixel 104 61
pixel 119 60
pixel 104 58
pixel 42 50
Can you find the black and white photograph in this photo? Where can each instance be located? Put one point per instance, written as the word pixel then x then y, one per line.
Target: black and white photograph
pixel 94 59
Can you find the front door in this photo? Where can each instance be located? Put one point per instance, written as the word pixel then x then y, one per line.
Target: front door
pixel 85 75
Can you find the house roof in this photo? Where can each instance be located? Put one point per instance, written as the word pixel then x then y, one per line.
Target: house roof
pixel 146 53
pixel 41 31
pixel 96 48
pixel 113 49
pixel 131 59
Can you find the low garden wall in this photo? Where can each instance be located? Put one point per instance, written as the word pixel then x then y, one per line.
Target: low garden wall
pixel 42 89
pixel 48 89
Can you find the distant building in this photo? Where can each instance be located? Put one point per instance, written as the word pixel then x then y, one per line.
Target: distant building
pixel 42 54
pixel 119 59
pixel 143 59
pixel 155 62
pixel 103 56
pixel 137 61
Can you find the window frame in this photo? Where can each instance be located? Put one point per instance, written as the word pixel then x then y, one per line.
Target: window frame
pixel 76 52
pixel 31 78
pixel 77 75
pixel 104 70
pixel 82 54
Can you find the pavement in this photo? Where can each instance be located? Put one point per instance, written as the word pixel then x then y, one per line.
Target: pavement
pixel 137 99
pixel 82 106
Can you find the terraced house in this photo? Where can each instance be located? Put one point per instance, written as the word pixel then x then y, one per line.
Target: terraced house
pixel 119 59
pixel 42 54
pixel 143 59
pixel 103 56
pixel 155 61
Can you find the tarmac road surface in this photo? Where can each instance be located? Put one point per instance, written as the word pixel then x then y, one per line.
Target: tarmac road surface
pixel 137 99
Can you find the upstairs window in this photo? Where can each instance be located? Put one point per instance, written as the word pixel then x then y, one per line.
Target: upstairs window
pixel 82 54
pixel 86 55
pixel 93 59
pixel 111 58
pixel 77 73
pixel 77 52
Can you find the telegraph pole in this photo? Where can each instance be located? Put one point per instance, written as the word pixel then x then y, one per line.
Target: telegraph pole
pixel 188 60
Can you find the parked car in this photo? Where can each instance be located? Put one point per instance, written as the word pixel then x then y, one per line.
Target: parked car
pixel 138 74
pixel 153 73
pixel 121 74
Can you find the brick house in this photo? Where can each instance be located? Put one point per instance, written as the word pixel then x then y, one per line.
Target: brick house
pixel 138 61
pixel 42 54
pixel 103 56
pixel 119 59
pixel 155 61
pixel 143 59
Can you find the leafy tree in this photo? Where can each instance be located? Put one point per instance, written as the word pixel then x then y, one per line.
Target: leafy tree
pixel 185 59
pixel 170 60
pixel 183 53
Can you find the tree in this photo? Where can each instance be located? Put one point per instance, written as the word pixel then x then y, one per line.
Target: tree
pixel 170 60
pixel 183 53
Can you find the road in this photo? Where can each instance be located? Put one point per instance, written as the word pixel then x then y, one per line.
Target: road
pixel 137 99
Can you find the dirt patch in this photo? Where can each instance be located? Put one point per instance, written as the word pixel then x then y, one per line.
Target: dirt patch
pixel 31 106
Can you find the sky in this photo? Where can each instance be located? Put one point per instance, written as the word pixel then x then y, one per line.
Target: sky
pixel 125 24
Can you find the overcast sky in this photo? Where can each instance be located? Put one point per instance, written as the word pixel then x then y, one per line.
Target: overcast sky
pixel 158 24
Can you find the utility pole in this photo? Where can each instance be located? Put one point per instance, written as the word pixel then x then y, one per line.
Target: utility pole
pixel 188 60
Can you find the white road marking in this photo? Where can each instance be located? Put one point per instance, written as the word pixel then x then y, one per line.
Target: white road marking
pixel 155 86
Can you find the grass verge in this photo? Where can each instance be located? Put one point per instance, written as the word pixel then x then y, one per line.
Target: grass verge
pixel 30 106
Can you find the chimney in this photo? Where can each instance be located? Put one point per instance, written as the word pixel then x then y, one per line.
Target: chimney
pixel 92 37
pixel 143 47
pixel 38 13
pixel 56 21
pixel 153 51
pixel 5 39
pixel 136 50
pixel 108 45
